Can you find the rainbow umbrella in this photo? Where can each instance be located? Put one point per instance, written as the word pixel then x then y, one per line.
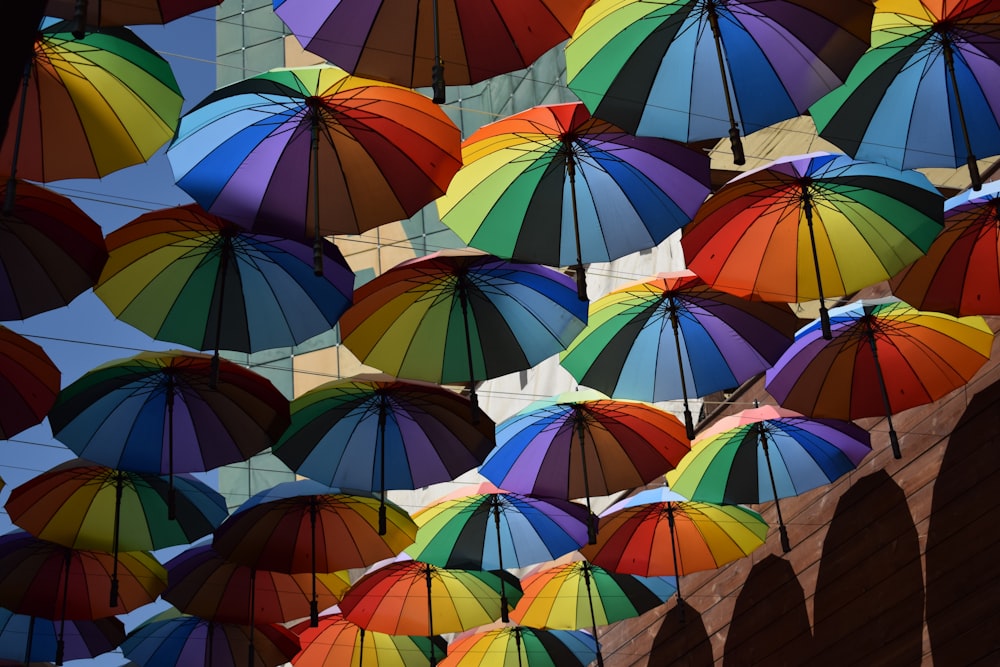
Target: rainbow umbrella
pixel 766 453
pixel 29 383
pixel 884 357
pixel 519 646
pixel 461 316
pixel 337 641
pixel 644 336
pixel 27 638
pixel 810 226
pixel 99 14
pixel 556 186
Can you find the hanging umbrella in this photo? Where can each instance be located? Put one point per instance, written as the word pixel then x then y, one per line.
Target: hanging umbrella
pixel 924 94
pixel 189 277
pixel 337 641
pixel 257 151
pixel 643 337
pixel 411 43
pixel 171 639
pixel 583 444
pixel 100 14
pixel 884 357
pixel 658 532
pixel 410 597
pixel 766 453
pixel 960 274
pixel 578 594
pixel 487 528
pixel 305 526
pixel 522 646
pixel 51 252
pixel 863 223
pixel 695 69
pixel 29 383
pixel 84 505
pixel 421 435
pixel 158 412
pixel 88 107
pixel 27 638
pixel 461 316
pixel 518 194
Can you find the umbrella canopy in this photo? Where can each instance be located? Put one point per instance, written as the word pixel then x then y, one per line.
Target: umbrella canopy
pixel 100 14
pixel 811 226
pixel 518 194
pixel 885 356
pixel 29 383
pixel 960 274
pixel 462 316
pixel 522 646
pixel 691 70
pixel 189 277
pixel 648 339
pixel 51 252
pixel 924 94
pixel 412 43
pixel 27 638
pixel 256 151
pixel 582 444
pixel 337 641
pixel 766 453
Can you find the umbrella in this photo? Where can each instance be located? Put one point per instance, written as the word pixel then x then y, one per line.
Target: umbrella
pixel 189 277
pixel 29 383
pixel 766 453
pixel 420 430
pixel 693 69
pixel 84 505
pixel 478 529
pixel 924 95
pixel 411 43
pixel 864 222
pixel 337 641
pixel 556 186
pixel 642 337
pixel 658 532
pixel 51 252
pixel 103 13
pixel 960 274
pixel 159 412
pixel 256 152
pixel 171 639
pixel 305 526
pixel 461 316
pixel 554 598
pixel 582 444
pixel 88 107
pixel 409 597
pixel 885 357
pixel 28 638
pixel 530 648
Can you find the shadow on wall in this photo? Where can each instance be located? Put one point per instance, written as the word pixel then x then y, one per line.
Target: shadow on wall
pixel 681 640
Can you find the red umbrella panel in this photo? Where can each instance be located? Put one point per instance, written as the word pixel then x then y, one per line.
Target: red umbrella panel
pixel 29 383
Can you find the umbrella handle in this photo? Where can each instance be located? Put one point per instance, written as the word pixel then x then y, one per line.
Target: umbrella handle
pixel 80 18
pixel 734 131
pixel 949 64
pixel 786 546
pixel 437 70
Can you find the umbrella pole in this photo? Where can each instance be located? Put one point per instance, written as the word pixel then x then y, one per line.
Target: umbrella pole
pixel 893 438
pixel 581 275
pixel 314 603
pixel 381 448
pixel 734 131
pixel 949 64
pixel 580 431
pixel 209 649
pixel 314 158
pixel 437 69
pixel 253 610
pixel 495 502
pixel 517 643
pixel 361 651
pixel 593 619
pixel 824 314
pixel 171 500
pixel 119 481
pixel 31 638
pixel 782 531
pixel 688 420
pixel 430 614
pixel 673 553
pixel 227 249
pixel 60 642
pixel 8 206
pixel 463 298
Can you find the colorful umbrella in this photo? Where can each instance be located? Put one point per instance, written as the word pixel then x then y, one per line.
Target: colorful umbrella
pixel 27 638
pixel 256 151
pixel 641 337
pixel 885 357
pixel 100 14
pixel 51 252
pixel 522 646
pixel 337 641
pixel 189 277
pixel 924 95
pixel 29 383
pixel 421 432
pixel 960 274
pixel 462 316
pixel 411 43
pixel 88 107
pixel 863 223
pixel 766 453
pixel 517 192
pixel 657 532
pixel 695 69
pixel 582 444
pixel 305 526
pixel 554 598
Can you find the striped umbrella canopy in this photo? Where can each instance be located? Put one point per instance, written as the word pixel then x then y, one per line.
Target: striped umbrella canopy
pixel 516 646
pixel 337 641
pixel 29 383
